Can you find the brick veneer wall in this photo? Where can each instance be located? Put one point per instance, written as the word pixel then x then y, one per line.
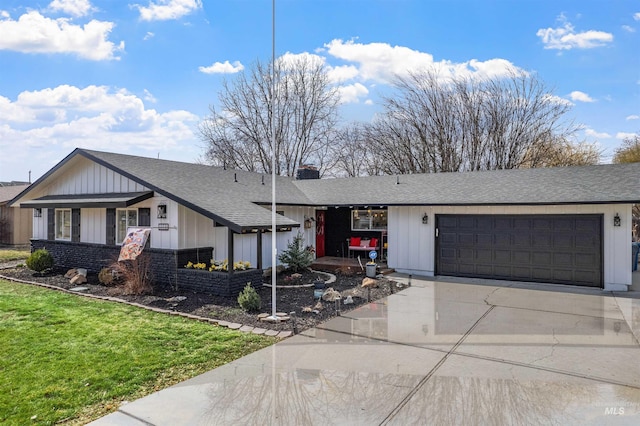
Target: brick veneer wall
pixel 166 265
pixel 219 283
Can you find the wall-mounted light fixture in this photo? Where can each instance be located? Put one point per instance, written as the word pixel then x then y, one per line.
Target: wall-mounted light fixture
pixel 308 221
pixel 425 219
pixel 616 220
pixel 37 212
pixel 162 211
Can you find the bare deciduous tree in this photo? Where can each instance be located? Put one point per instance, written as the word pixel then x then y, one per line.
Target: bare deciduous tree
pixel 304 110
pixel 463 124
pixel 353 156
pixel 629 151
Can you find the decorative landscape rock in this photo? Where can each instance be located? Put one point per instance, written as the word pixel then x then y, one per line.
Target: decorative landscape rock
pixel 331 295
pixel 280 317
pixel 71 273
pixel 106 277
pixel 176 299
pixel 82 271
pixel 78 279
pixel 348 300
pixel 352 292
pixel 369 282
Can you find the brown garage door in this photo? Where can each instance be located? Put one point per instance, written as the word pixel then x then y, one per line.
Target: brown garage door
pixel 560 249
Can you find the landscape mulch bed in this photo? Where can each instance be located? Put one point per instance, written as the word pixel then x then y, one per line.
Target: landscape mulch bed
pixel 292 297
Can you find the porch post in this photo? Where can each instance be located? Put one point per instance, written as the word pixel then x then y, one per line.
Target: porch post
pixel 230 260
pixel 259 248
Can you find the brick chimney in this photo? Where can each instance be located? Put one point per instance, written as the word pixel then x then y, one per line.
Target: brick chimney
pixel 307 171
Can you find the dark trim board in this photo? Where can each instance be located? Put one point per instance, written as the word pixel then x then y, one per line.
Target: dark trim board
pixel 556 249
pixel 105 200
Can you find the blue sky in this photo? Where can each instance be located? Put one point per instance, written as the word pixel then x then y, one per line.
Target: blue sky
pixel 137 76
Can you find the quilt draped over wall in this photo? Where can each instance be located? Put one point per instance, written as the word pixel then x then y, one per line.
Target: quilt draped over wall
pixel 134 243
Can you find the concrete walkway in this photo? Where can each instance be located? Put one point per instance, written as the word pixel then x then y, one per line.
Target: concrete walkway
pixel 438 352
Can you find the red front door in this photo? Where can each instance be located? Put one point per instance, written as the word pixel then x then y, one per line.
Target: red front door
pixel 320 233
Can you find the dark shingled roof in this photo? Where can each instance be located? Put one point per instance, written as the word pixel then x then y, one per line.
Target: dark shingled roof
pixel 234 197
pixel 229 197
pixel 601 184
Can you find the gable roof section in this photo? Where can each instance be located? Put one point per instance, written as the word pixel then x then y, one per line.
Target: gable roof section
pixel 601 184
pixel 230 197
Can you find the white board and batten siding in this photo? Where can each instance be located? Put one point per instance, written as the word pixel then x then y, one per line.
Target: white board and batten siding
pixel 88 177
pixel 198 231
pixel 412 243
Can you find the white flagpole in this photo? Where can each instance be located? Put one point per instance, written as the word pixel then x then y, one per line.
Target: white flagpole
pixel 273 161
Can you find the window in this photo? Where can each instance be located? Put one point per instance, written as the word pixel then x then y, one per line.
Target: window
pixel 124 219
pixel 368 220
pixel 63 224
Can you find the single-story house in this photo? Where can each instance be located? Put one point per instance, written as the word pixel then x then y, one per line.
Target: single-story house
pixel 15 223
pixel 569 225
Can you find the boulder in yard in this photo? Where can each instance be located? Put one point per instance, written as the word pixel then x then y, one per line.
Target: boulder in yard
pixel 78 279
pixel 82 271
pixel 369 282
pixel 71 273
pixel 352 292
pixel 331 295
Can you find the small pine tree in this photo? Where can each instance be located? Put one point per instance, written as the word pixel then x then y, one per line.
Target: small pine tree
pixel 296 256
pixel 40 260
pixel 249 299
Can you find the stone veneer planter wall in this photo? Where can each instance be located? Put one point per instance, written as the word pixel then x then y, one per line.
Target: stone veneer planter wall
pixel 219 283
pixel 167 266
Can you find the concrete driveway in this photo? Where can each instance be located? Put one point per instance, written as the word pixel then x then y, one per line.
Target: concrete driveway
pixel 438 352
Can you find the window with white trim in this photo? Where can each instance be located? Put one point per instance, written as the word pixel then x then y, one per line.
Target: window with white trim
pixel 368 220
pixel 124 219
pixel 63 224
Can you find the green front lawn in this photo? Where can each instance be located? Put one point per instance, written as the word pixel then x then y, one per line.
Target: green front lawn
pixel 67 359
pixel 7 255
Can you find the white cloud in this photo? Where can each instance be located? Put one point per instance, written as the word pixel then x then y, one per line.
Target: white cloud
pixel 75 8
pixel 557 100
pixel 578 96
pixel 289 59
pixel 382 62
pixel 222 68
pixel 92 117
pixel 342 73
pixel 4 14
pixel 34 33
pixel 352 93
pixel 628 29
pixel 633 117
pixel 566 38
pixel 599 135
pixel 636 16
pixel 149 97
pixel 164 10
pixel 148 35
pixel 625 135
